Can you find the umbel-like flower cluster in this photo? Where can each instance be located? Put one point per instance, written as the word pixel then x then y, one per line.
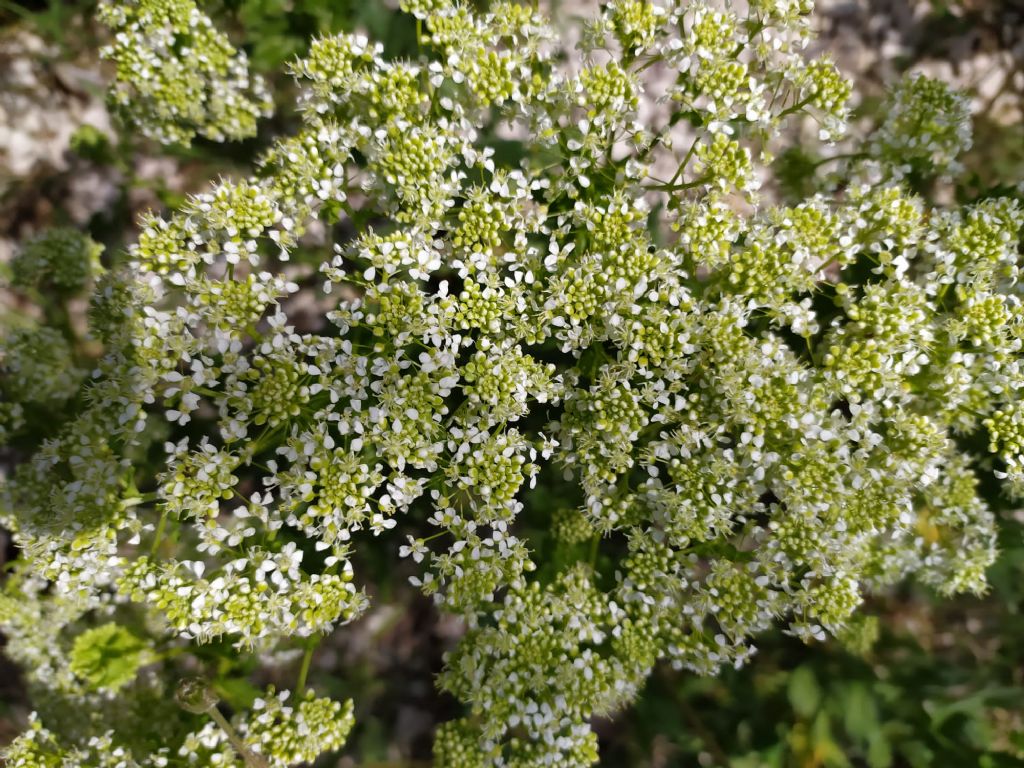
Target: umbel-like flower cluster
pixel 751 414
pixel 178 75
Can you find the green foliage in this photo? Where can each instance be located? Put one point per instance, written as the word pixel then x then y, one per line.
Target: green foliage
pixel 61 259
pixel 804 693
pixel 108 657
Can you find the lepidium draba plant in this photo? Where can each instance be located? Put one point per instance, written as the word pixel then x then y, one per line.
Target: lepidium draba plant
pixel 751 415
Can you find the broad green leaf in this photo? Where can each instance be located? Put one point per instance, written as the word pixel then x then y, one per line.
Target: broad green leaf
pixel 108 657
pixel 804 692
pixel 860 713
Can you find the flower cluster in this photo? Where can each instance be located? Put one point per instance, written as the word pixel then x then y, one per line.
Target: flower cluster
pixel 275 735
pixel 40 370
pixel 749 412
pixel 61 258
pixel 178 75
pixel 38 367
pixel 928 124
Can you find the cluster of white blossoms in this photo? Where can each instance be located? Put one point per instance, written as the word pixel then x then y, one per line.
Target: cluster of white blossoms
pixel 178 75
pixel 752 415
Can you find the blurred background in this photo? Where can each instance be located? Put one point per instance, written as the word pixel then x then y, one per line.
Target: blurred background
pixel 918 682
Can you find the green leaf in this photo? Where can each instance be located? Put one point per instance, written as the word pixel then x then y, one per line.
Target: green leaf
pixel 860 714
pixel 108 657
pixel 804 693
pixel 824 745
pixel 92 144
pixel 879 751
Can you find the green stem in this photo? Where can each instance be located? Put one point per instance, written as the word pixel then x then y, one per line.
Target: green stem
pixel 843 156
pixel 942 293
pixel 594 544
pixel 142 498
pixel 685 161
pixel 678 187
pixel 252 760
pixel 795 108
pixel 161 526
pixel 307 658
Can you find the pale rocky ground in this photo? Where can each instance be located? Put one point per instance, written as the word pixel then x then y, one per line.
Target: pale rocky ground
pixel 43 101
pixel 980 49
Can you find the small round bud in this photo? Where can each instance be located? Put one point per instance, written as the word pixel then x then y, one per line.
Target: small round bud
pixel 195 695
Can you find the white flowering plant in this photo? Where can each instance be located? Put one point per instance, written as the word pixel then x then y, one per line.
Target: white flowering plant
pixel 751 415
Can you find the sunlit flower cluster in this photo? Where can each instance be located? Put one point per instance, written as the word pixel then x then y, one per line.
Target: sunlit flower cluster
pixel 735 415
pixel 178 76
